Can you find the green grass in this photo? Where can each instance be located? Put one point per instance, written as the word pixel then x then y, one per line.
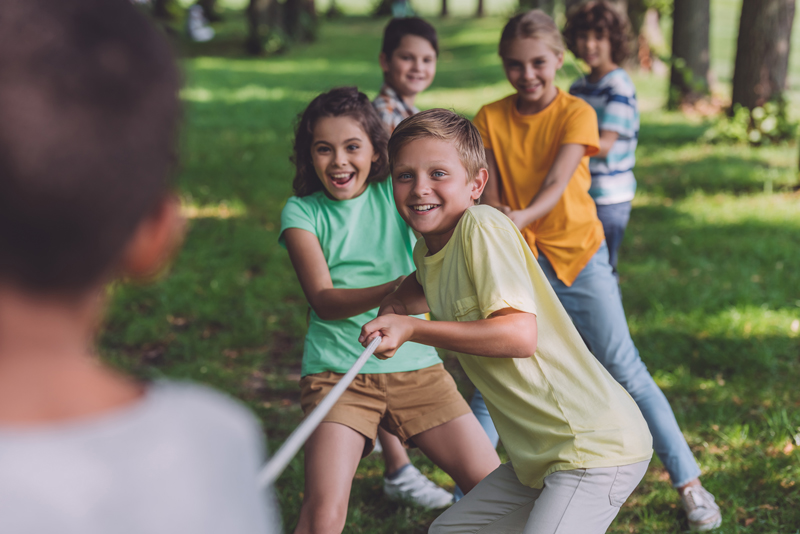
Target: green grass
pixel 709 273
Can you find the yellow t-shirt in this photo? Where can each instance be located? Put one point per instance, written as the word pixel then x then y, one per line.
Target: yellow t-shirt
pixel 557 410
pixel 525 147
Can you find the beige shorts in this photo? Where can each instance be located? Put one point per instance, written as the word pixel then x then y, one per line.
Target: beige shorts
pixel 404 404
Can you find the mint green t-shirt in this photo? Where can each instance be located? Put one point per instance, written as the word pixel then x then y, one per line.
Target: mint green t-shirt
pixel 365 243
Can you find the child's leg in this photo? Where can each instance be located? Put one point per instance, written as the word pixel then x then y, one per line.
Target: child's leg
pixel 478 406
pixel 582 501
pixel 615 219
pixel 461 448
pixel 394 454
pixel 332 454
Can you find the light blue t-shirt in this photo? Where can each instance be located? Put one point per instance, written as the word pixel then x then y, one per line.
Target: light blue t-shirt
pixel 614 100
pixel 365 243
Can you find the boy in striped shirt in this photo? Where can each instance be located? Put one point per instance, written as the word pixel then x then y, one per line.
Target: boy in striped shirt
pixel 597 34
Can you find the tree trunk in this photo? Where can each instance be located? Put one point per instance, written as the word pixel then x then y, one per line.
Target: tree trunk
pixel 479 11
pixel 161 9
pixel 762 51
pixel 445 12
pixel 210 10
pixel 300 20
pixel 690 57
pixel 257 15
pixel 383 8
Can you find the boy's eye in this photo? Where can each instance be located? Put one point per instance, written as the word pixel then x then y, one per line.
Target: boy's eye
pixel 438 174
pixel 404 176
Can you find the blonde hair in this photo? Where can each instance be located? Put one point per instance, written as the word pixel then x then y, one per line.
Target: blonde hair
pixel 446 126
pixel 534 24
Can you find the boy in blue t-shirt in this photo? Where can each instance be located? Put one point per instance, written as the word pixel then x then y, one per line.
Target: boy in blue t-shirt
pixel 597 34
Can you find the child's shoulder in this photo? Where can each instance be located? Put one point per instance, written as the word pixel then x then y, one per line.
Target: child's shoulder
pixel 620 82
pixel 499 106
pixel 486 218
pixel 200 408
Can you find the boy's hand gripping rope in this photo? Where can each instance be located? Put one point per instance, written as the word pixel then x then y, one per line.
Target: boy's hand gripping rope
pixel 270 472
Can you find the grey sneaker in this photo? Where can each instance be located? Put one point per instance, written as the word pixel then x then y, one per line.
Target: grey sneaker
pixel 701 510
pixel 414 487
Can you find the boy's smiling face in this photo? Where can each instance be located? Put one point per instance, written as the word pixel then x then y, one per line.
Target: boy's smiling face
pixel 412 66
pixel 432 189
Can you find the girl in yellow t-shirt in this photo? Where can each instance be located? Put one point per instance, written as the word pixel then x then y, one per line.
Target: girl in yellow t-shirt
pixel 538 142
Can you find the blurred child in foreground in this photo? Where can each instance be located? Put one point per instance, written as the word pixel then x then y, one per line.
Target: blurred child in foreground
pixel 90 109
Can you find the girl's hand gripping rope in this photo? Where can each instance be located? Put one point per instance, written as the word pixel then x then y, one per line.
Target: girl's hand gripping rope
pixel 394 329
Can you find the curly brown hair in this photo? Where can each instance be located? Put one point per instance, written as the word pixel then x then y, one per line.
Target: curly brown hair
pixel 339 102
pixel 604 19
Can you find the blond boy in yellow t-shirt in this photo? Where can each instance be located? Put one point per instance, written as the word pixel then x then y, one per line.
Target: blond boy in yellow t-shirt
pixel 577 441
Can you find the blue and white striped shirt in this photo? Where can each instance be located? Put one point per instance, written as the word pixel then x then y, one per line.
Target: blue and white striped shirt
pixel 614 100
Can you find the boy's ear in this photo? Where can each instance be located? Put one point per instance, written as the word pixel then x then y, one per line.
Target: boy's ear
pixel 479 184
pixel 559 60
pixel 384 62
pixel 155 241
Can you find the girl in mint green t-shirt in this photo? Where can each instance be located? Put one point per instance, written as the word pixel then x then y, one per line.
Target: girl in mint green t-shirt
pixel 350 249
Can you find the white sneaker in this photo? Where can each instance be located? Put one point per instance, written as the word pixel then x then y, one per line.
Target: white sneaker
pixel 701 510
pixel 413 487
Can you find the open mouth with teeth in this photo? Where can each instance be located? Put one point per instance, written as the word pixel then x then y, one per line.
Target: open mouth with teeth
pixel 342 179
pixel 424 208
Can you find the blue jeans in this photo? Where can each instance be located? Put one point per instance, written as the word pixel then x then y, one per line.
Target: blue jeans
pixel 615 219
pixel 593 303
pixel 478 406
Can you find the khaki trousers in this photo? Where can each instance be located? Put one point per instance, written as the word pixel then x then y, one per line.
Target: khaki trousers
pixel 579 501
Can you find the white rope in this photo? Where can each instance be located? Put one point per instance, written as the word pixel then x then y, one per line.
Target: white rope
pixel 270 472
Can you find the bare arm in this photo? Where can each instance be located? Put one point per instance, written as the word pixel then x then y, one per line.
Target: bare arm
pixel 328 302
pixel 407 299
pixel 507 333
pixel 607 140
pixel 566 162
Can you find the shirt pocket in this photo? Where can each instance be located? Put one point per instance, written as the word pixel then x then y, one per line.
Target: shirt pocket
pixel 467 309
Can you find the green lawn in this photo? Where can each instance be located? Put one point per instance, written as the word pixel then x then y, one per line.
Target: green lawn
pixel 709 273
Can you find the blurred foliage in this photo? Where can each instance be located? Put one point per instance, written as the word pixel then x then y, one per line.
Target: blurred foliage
pixel 761 126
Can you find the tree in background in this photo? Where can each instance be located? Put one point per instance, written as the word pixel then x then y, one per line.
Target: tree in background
pixel 762 52
pixel 548 6
pixel 479 10
pixel 279 23
pixel 445 12
pixel 690 54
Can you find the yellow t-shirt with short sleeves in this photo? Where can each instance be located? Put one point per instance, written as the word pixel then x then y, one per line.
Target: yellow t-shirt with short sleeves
pixel 557 410
pixel 525 147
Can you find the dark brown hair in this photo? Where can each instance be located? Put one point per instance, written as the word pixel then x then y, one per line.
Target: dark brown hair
pixel 89 107
pixel 533 24
pixel 447 126
pixel 400 27
pixel 604 19
pixel 339 102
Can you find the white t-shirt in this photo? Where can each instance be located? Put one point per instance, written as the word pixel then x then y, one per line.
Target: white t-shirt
pixel 184 459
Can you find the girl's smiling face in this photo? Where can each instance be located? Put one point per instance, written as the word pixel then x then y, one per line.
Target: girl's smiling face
pixel 531 67
pixel 342 155
pixel 412 66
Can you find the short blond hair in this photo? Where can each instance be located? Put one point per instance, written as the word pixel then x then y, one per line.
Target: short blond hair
pixel 534 24
pixel 446 126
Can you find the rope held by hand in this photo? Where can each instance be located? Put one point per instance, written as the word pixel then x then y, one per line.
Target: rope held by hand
pixel 273 469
